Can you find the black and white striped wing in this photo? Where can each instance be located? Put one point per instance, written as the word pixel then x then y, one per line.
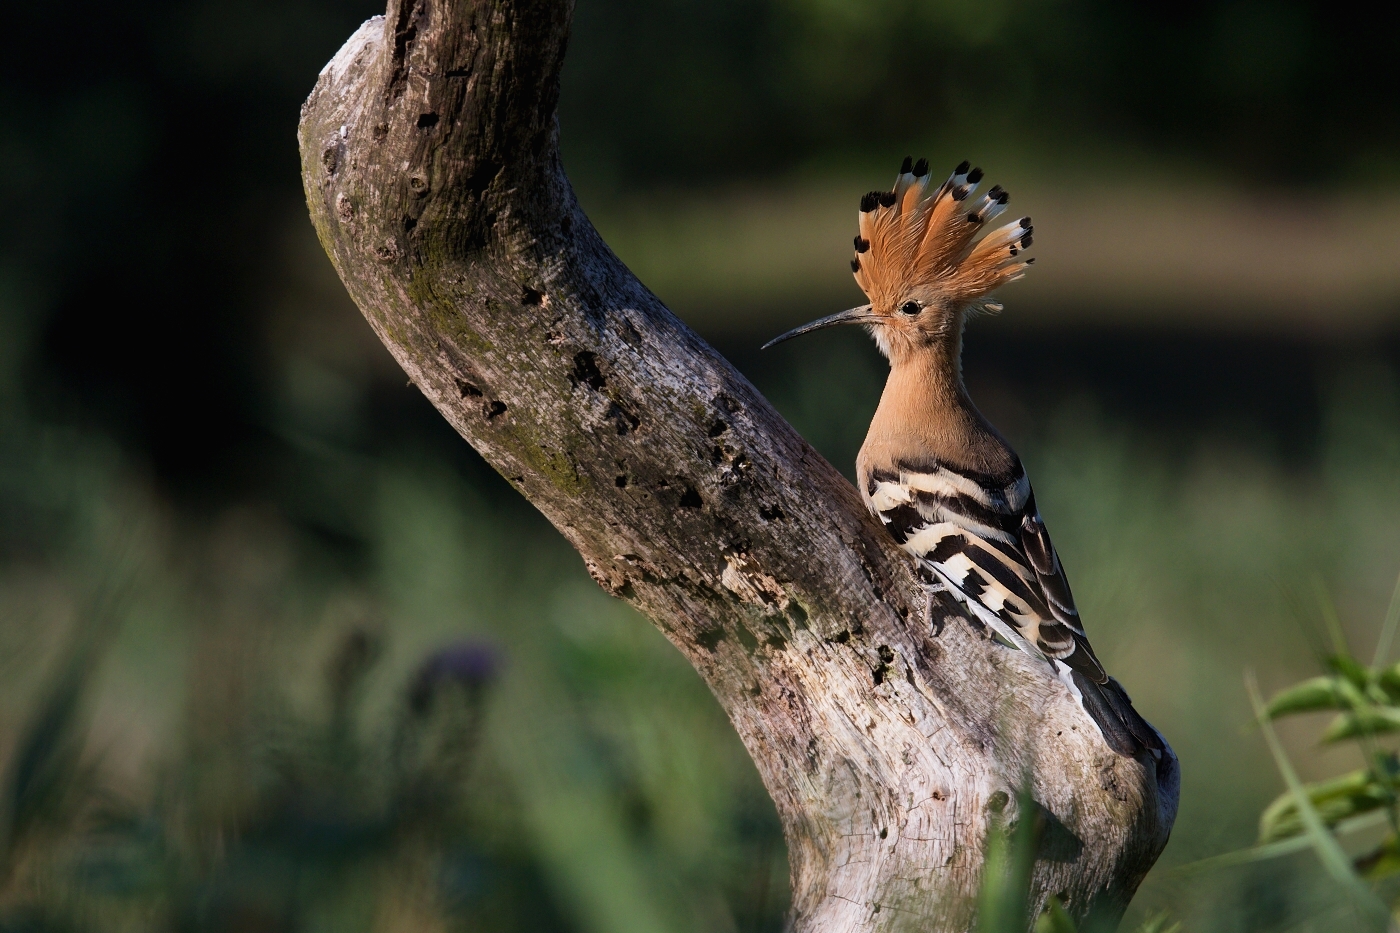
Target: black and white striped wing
pixel 983 538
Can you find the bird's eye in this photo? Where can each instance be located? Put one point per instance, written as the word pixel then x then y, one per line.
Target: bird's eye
pixel 911 308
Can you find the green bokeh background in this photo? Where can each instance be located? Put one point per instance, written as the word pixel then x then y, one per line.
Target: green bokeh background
pixel 231 537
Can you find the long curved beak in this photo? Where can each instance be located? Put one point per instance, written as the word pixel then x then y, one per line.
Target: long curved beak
pixel 861 315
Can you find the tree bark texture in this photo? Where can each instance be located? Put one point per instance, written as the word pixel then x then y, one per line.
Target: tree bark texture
pixel 889 738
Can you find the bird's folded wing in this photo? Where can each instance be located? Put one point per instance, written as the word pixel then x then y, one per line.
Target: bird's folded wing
pixel 983 536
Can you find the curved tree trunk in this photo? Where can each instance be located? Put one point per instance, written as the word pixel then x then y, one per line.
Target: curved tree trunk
pixel 887 739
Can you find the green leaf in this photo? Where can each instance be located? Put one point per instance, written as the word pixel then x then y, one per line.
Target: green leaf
pixel 1353 696
pixel 1312 694
pixel 1329 852
pixel 1055 919
pixel 1280 818
pixel 1389 680
pixel 1369 720
pixel 1351 669
pixel 1335 799
pixel 1382 862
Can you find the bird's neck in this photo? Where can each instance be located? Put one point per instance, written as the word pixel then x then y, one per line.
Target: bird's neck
pixel 925 414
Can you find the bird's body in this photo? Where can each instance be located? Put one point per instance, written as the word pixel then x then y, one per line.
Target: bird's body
pixel 948 487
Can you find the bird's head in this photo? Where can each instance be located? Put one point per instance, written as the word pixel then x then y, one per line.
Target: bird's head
pixel 921 259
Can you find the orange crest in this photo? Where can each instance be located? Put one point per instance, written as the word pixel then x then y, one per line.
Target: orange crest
pixel 913 245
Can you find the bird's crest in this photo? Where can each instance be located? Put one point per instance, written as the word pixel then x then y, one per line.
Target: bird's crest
pixel 912 240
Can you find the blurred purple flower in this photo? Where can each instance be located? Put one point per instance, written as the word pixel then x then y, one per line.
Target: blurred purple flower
pixel 469 664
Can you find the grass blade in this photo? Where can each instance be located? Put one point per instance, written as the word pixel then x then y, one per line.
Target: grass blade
pixel 1006 875
pixel 46 758
pixel 1055 919
pixel 1392 619
pixel 1283 847
pixel 1329 618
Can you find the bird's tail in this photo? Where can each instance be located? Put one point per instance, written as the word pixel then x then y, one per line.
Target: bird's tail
pixel 1109 705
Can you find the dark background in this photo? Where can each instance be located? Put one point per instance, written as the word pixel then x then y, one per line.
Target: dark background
pixel 149 177
pixel 189 402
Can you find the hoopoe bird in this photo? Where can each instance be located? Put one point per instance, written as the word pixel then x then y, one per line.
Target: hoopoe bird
pixel 932 468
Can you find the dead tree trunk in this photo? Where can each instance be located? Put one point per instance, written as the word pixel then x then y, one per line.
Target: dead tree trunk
pixel 430 159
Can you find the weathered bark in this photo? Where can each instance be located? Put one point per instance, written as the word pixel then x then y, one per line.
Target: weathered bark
pixel 888 740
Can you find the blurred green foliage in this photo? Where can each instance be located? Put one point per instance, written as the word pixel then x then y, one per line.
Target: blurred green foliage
pixel 233 545
pixel 250 743
pixel 1359 802
pixel 468 736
